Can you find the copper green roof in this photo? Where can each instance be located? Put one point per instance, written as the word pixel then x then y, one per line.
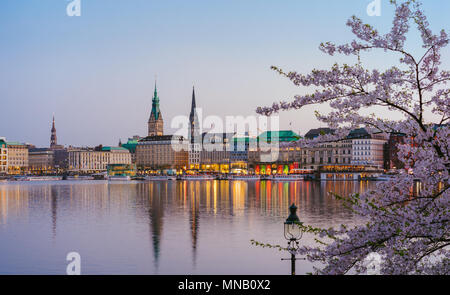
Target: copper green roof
pixel 3 144
pixel 155 105
pixel 14 143
pixel 131 145
pixel 113 148
pixel 279 136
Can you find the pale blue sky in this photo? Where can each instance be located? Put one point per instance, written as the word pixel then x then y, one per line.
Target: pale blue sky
pixel 96 72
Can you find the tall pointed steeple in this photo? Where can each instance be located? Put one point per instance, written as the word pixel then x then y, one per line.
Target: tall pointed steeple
pixel 193 103
pixel 155 104
pixel 155 122
pixel 195 138
pixel 193 118
pixel 53 138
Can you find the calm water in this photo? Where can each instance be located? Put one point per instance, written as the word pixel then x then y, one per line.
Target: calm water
pixel 166 227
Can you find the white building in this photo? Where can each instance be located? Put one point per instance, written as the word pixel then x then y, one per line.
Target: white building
pixel 88 160
pixel 368 149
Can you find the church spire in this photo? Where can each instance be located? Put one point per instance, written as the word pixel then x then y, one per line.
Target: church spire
pixel 192 114
pixel 155 104
pixel 155 122
pixel 53 138
pixel 193 120
pixel 193 97
pixel 53 125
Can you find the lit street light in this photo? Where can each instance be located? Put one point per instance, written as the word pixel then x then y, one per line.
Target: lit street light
pixel 292 233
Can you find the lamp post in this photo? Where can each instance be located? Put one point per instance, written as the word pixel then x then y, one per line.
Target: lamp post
pixel 292 233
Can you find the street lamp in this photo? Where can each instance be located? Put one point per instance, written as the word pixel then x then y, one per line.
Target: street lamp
pixel 292 233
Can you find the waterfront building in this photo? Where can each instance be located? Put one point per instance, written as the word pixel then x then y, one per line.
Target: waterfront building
pixel 215 153
pixel 3 156
pixel 269 145
pixel 289 153
pixel 131 146
pixel 93 160
pixel 240 147
pixel 239 154
pixel 17 158
pixel 391 158
pixel 40 160
pixel 368 149
pixel 274 152
pixel 118 155
pixel 195 139
pixel 87 160
pixel 155 122
pixel 331 157
pixel 328 154
pixel 312 155
pixel 60 159
pixel 162 152
pixel 346 154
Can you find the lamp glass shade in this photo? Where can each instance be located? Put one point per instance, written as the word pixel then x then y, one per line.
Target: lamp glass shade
pixel 292 231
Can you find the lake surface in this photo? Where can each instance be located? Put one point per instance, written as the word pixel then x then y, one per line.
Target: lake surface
pixel 163 227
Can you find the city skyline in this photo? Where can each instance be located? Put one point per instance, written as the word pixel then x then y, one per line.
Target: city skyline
pixel 97 75
pixel 234 137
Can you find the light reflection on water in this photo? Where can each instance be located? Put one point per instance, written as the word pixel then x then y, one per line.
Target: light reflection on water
pixel 165 227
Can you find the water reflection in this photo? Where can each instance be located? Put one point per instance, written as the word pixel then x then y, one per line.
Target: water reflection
pixel 158 227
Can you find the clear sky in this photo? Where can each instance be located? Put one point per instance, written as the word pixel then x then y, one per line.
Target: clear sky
pixel 96 72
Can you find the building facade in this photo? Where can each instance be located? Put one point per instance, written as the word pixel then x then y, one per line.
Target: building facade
pixel 118 155
pixel 215 155
pixel 273 147
pixel 40 161
pixel 162 152
pixel 358 150
pixel 239 154
pixel 60 159
pixel 327 154
pixel 368 149
pixel 17 158
pixel 89 160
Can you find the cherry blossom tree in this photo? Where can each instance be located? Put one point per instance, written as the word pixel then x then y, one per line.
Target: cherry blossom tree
pixel 408 229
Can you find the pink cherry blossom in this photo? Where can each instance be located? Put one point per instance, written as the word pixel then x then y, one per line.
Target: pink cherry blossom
pixel 408 228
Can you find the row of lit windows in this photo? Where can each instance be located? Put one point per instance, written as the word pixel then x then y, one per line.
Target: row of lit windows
pixel 321 160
